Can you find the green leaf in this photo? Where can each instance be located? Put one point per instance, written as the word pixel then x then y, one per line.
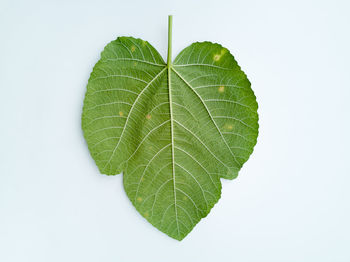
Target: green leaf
pixel 173 129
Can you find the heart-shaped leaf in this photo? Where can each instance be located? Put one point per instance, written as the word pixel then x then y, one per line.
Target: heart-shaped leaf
pixel 173 129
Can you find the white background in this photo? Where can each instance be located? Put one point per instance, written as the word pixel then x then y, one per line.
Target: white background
pixel 290 202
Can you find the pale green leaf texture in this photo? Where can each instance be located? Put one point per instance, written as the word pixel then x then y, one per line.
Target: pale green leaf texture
pixel 173 131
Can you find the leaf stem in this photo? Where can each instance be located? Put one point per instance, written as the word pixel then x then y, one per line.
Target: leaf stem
pixel 170 29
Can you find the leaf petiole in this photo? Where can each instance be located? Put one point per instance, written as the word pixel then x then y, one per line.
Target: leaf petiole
pixel 170 28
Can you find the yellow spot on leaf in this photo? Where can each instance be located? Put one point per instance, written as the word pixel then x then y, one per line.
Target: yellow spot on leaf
pixel 121 113
pixel 218 56
pixel 135 64
pixel 142 179
pixel 144 43
pixel 229 127
pixel 184 198
pixel 221 89
pixel 133 48
pixel 146 214
pixel 139 199
pixel 148 116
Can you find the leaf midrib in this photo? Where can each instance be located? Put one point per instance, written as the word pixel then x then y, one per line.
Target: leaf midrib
pixel 172 143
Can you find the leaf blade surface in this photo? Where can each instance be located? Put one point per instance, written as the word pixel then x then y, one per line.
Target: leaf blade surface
pixel 173 130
